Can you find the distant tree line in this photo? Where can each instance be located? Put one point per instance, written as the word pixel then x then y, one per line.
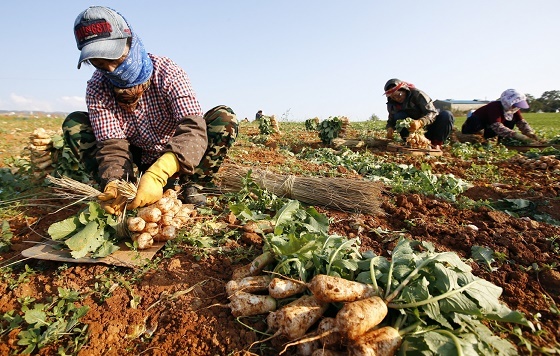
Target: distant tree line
pixel 548 102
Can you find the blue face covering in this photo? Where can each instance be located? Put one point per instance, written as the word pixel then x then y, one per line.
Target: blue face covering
pixel 136 69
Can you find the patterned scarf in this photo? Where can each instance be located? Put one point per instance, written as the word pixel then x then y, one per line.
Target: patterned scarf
pixel 400 85
pixel 132 77
pixel 136 69
pixel 509 98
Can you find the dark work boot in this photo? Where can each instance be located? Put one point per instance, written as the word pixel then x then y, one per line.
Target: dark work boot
pixel 190 194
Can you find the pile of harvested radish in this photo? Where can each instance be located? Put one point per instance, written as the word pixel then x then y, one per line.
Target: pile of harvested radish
pixel 160 221
pixel 549 162
pixel 310 317
pixel 417 140
pixel 40 148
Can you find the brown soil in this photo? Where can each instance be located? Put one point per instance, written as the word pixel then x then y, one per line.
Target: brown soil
pixel 193 323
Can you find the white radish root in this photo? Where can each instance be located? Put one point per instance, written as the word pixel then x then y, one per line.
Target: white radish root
pixel 165 205
pixel 151 228
pixel 293 320
pixel 283 288
pixel 307 349
pixel 167 233
pixel 135 224
pixel 170 193
pixel 143 240
pixel 150 214
pixel 332 289
pixel 167 219
pixel 249 284
pixel 255 267
pixel 247 304
pixel 356 318
pixel 332 339
pixel 353 320
pixel 384 341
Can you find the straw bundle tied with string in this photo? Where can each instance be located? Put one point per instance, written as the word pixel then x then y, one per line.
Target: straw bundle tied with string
pixel 343 194
pixel 68 188
pixel 73 189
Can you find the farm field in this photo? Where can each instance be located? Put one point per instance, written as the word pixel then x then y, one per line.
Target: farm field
pixel 498 214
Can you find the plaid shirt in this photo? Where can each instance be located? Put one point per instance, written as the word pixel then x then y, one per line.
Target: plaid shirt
pixel 169 99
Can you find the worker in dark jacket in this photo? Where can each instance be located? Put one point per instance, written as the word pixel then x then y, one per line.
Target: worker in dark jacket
pixel 499 118
pixel 405 101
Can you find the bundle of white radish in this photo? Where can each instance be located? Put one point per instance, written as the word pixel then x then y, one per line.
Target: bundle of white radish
pixel 549 162
pixel 351 330
pixel 160 221
pixel 353 321
pixel 417 140
pixel 274 124
pixel 345 123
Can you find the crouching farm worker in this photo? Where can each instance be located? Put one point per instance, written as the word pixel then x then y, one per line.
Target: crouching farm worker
pixel 499 118
pixel 405 101
pixel 141 111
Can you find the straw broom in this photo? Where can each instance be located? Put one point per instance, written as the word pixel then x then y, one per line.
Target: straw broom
pixel 343 194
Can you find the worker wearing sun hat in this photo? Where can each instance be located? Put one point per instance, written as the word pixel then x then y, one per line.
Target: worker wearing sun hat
pixel 404 100
pixel 142 112
pixel 498 118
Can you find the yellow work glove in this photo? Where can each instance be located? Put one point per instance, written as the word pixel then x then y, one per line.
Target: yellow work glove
pixel 390 133
pixel 111 201
pixel 415 125
pixel 150 188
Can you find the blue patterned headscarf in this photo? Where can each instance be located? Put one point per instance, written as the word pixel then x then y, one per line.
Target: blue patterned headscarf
pixel 136 69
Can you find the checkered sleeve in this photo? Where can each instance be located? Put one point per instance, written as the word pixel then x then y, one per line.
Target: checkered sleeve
pixel 102 108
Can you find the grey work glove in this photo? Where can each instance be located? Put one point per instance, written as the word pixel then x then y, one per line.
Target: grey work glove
pixel 535 138
pixel 523 138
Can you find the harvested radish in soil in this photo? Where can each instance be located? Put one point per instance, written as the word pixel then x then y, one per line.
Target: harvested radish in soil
pixel 283 288
pixel 293 320
pixel 335 289
pixel 144 240
pixel 356 318
pixel 248 284
pixel 136 224
pixel 331 339
pixel 149 213
pixel 160 220
pixel 247 304
pixel 255 267
pixel 351 322
pixel 384 341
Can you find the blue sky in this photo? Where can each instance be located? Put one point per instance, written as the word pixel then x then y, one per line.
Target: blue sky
pixel 296 59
